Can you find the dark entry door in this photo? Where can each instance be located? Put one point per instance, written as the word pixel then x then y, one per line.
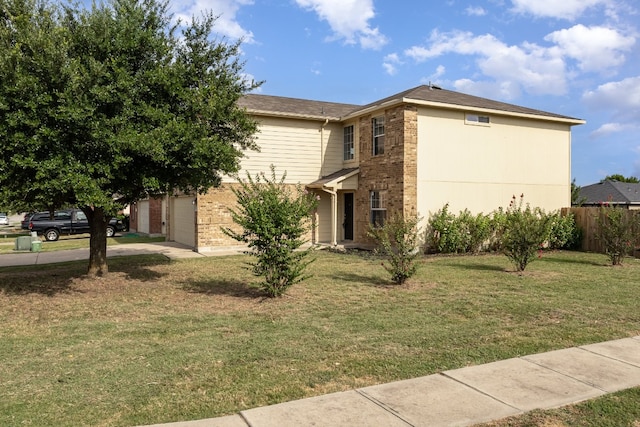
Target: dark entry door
pixel 348 216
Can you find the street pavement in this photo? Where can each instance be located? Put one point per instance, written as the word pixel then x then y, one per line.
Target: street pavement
pixel 459 397
pixel 169 249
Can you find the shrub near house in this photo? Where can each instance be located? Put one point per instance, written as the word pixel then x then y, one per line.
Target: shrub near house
pixel 518 231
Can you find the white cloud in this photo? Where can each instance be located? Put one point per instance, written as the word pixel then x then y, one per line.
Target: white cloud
pixel 475 11
pixel 440 70
pixel 622 96
pixel 595 48
pixel 610 128
pixel 621 100
pixel 559 9
pixel 226 23
pixel 504 90
pixel 390 63
pixel 349 20
pixel 537 69
pixel 434 78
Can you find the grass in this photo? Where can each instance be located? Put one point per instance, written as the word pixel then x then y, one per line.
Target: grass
pixel 76 241
pixel 619 409
pixel 158 341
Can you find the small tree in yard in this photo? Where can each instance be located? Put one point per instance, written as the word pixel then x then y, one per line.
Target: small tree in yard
pixel 274 218
pixel 398 241
pixel 616 227
pixel 525 230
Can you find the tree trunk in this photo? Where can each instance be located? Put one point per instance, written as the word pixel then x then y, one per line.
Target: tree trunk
pixel 98 241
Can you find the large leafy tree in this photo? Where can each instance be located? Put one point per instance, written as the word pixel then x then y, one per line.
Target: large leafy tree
pixel 103 106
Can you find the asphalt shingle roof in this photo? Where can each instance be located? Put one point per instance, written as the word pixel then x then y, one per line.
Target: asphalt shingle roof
pixel 295 107
pixel 278 105
pixel 611 191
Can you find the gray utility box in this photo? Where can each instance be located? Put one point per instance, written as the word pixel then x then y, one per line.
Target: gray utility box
pixel 23 243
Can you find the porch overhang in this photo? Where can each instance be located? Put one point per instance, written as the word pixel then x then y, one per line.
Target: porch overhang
pixel 344 179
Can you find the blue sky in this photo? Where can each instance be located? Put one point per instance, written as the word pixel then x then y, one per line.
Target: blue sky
pixel 579 58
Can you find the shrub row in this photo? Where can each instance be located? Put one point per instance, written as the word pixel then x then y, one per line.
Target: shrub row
pixel 469 233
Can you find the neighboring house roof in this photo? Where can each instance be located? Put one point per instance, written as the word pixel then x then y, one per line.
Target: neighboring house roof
pixel 422 95
pixel 613 192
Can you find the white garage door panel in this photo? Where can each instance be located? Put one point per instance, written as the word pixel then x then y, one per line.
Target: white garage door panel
pixel 143 216
pixel 183 220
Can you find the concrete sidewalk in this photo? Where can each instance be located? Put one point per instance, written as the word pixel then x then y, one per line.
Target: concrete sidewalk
pixel 460 397
pixel 169 249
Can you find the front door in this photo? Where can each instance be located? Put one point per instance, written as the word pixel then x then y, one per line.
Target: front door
pixel 348 216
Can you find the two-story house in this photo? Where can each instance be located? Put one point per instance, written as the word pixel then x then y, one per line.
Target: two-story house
pixel 411 153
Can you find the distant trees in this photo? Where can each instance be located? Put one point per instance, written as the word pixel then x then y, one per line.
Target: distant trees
pixel 621 178
pixel 576 198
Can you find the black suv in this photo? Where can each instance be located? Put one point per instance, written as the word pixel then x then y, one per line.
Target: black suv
pixel 68 221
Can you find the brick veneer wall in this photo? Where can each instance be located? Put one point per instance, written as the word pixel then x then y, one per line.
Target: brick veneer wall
pixel 133 217
pixel 394 171
pixel 213 214
pixel 155 215
pixel 154 219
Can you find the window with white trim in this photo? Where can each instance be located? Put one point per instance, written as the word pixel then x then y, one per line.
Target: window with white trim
pixel 349 148
pixel 475 119
pixel 377 125
pixel 378 200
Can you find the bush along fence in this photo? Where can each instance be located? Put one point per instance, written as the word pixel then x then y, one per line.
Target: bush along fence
pixel 469 233
pixel 607 229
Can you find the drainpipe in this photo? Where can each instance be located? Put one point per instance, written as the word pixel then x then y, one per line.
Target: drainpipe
pixel 322 147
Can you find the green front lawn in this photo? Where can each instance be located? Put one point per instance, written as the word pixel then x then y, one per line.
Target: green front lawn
pixel 159 341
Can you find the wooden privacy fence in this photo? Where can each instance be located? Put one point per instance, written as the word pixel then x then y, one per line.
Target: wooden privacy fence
pixel 587 220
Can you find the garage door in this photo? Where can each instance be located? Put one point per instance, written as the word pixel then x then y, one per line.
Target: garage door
pixel 183 221
pixel 143 216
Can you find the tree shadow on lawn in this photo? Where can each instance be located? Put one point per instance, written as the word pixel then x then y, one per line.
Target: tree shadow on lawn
pixel 138 267
pixel 361 278
pixel 45 283
pixel 52 279
pixel 479 267
pixel 548 257
pixel 228 287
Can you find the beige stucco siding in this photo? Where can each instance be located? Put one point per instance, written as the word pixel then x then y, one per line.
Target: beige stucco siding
pixel 481 167
pixel 305 149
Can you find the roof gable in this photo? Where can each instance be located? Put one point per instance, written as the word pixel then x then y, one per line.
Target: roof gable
pixel 436 95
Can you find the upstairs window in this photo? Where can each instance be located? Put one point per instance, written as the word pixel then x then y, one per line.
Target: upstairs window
pixel 349 148
pixel 378 208
pixel 475 119
pixel 377 124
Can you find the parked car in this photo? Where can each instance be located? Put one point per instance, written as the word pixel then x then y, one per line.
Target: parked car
pixel 24 224
pixel 68 221
pixel 4 219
